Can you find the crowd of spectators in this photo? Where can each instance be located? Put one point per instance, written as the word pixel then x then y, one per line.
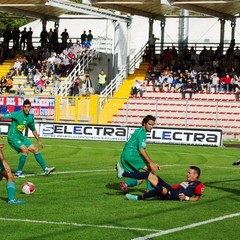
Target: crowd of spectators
pixel 209 71
pixel 52 59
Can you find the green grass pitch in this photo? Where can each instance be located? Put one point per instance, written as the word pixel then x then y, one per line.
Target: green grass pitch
pixel 81 200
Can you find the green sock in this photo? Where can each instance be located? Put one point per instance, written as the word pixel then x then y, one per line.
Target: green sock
pixel 11 190
pixel 40 160
pixel 132 182
pixel 148 185
pixel 22 161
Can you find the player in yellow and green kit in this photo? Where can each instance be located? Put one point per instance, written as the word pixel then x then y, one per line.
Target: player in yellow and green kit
pixel 134 156
pixel 20 143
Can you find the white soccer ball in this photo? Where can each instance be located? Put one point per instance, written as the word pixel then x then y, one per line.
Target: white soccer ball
pixel 28 188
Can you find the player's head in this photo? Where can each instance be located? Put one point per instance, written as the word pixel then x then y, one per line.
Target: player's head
pixel 194 172
pixel 26 106
pixel 148 122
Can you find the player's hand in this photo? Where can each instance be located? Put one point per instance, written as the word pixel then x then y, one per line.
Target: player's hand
pixel 154 167
pixel 181 196
pixel 40 144
pixel 1 145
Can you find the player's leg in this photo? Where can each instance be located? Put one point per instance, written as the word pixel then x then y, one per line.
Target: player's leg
pixel 10 186
pixel 132 165
pixel 39 158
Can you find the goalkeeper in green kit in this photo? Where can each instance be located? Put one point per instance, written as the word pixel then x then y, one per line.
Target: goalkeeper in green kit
pixel 20 143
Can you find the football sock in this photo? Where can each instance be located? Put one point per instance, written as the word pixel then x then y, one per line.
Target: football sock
pixel 148 185
pixel 136 175
pixel 22 161
pixel 131 182
pixel 11 190
pixel 152 193
pixel 40 160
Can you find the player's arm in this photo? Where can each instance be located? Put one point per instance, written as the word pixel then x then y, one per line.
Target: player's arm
pixel 154 167
pixel 3 160
pixel 35 134
pixel 183 197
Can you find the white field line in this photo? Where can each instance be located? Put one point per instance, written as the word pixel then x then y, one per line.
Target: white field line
pixel 173 230
pixel 78 224
pixel 112 170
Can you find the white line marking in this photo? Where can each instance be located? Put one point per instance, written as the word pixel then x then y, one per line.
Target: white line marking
pixel 165 232
pixel 77 224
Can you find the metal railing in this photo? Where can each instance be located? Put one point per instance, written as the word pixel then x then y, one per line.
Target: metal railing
pixel 99 45
pixel 115 83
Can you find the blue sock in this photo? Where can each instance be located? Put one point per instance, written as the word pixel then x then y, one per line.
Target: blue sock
pixel 11 190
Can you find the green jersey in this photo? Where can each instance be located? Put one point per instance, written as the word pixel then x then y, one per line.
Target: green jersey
pixel 19 122
pixel 131 158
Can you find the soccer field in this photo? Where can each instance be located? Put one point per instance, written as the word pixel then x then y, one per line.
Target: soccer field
pixel 82 200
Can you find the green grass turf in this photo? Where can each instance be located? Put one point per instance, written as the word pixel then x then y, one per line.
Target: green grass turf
pixel 82 200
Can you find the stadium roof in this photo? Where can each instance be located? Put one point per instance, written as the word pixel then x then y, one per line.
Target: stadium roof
pixel 224 9
pixel 156 9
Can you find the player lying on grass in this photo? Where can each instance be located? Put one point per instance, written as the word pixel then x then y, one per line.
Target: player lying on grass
pixel 189 190
pixel 6 172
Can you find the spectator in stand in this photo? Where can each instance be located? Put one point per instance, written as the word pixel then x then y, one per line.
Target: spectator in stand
pixel 29 39
pixel 44 37
pixel 36 78
pixel 214 86
pixel 154 75
pixel 7 36
pixel 206 83
pixel 200 80
pixel 65 37
pixel 23 39
pixel 167 83
pixel 187 88
pixel 40 85
pixel 90 36
pixel 50 34
pixel 86 43
pixel 83 37
pixel 138 88
pixel 55 40
pixel 19 90
pixel 225 83
pixel 152 43
pixel 235 83
pixel 17 67
pixel 102 79
pixel 9 84
pixel 146 55
pixel 76 86
pixel 88 86
pixel 2 84
pixel 16 38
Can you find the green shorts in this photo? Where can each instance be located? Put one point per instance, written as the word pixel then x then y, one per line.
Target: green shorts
pixel 16 143
pixel 132 163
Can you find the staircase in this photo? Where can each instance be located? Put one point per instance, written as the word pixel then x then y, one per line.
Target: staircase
pixel 119 98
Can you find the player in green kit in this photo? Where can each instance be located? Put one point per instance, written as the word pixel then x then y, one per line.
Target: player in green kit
pixel 134 155
pixel 5 171
pixel 20 143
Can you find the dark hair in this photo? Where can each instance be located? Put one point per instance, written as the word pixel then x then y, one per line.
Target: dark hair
pixel 26 102
pixel 196 169
pixel 148 118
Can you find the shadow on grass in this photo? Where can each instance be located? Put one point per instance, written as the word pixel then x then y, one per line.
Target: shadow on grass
pixel 226 188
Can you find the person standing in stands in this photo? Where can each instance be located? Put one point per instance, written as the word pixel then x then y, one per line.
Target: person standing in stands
pixel 102 79
pixel 90 36
pixel 65 37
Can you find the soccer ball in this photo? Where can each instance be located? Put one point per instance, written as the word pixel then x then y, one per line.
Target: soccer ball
pixel 28 188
